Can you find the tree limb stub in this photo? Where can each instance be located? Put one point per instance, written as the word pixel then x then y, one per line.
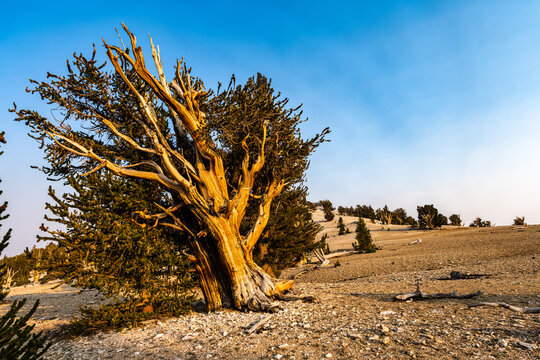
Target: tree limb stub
pixel 533 310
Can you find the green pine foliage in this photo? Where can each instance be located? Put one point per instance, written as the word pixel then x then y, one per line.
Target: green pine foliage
pixel 236 112
pixel 16 340
pixel 111 252
pixel 290 233
pixel 363 244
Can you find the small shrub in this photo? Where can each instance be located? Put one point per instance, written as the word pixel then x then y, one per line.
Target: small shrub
pixel 337 264
pixel 519 220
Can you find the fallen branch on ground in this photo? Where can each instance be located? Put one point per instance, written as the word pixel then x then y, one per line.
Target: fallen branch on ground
pixel 339 254
pixel 417 241
pixel 456 275
pixel 322 257
pixel 420 295
pixel 301 272
pixel 257 324
pixel 533 310
pixel 290 297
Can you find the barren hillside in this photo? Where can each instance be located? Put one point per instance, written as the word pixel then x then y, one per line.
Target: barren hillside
pixel 354 316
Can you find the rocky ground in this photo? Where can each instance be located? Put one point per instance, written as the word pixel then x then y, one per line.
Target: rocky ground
pixel 354 316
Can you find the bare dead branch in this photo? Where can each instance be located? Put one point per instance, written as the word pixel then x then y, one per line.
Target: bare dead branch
pixel 420 295
pixel 257 324
pixel 533 310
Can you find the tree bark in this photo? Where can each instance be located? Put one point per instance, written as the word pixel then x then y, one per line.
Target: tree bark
pixel 229 276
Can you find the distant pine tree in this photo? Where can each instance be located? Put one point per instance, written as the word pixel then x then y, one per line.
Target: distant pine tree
pixel 363 244
pixel 341 226
pixel 329 216
pixel 324 245
pixel 455 220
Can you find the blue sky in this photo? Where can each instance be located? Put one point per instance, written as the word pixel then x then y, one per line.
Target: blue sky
pixel 428 101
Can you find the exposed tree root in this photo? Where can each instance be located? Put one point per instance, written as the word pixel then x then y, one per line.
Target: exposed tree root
pixel 533 310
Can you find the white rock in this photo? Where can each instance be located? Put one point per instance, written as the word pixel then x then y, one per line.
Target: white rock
pixel 385 329
pixel 502 343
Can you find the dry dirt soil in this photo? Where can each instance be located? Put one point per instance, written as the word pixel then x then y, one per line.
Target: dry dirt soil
pixel 354 316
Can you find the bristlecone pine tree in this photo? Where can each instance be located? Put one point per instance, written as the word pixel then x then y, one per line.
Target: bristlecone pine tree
pixel 363 244
pixel 429 217
pixel 189 145
pixel 16 341
pixel 341 226
pixel 455 220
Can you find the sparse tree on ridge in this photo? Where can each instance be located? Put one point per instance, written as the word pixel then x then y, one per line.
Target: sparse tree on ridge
pixel 519 220
pixel 399 216
pixel 478 222
pixel 186 150
pixel 385 215
pixel 455 220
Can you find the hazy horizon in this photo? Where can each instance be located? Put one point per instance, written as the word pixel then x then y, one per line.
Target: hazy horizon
pixel 428 102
